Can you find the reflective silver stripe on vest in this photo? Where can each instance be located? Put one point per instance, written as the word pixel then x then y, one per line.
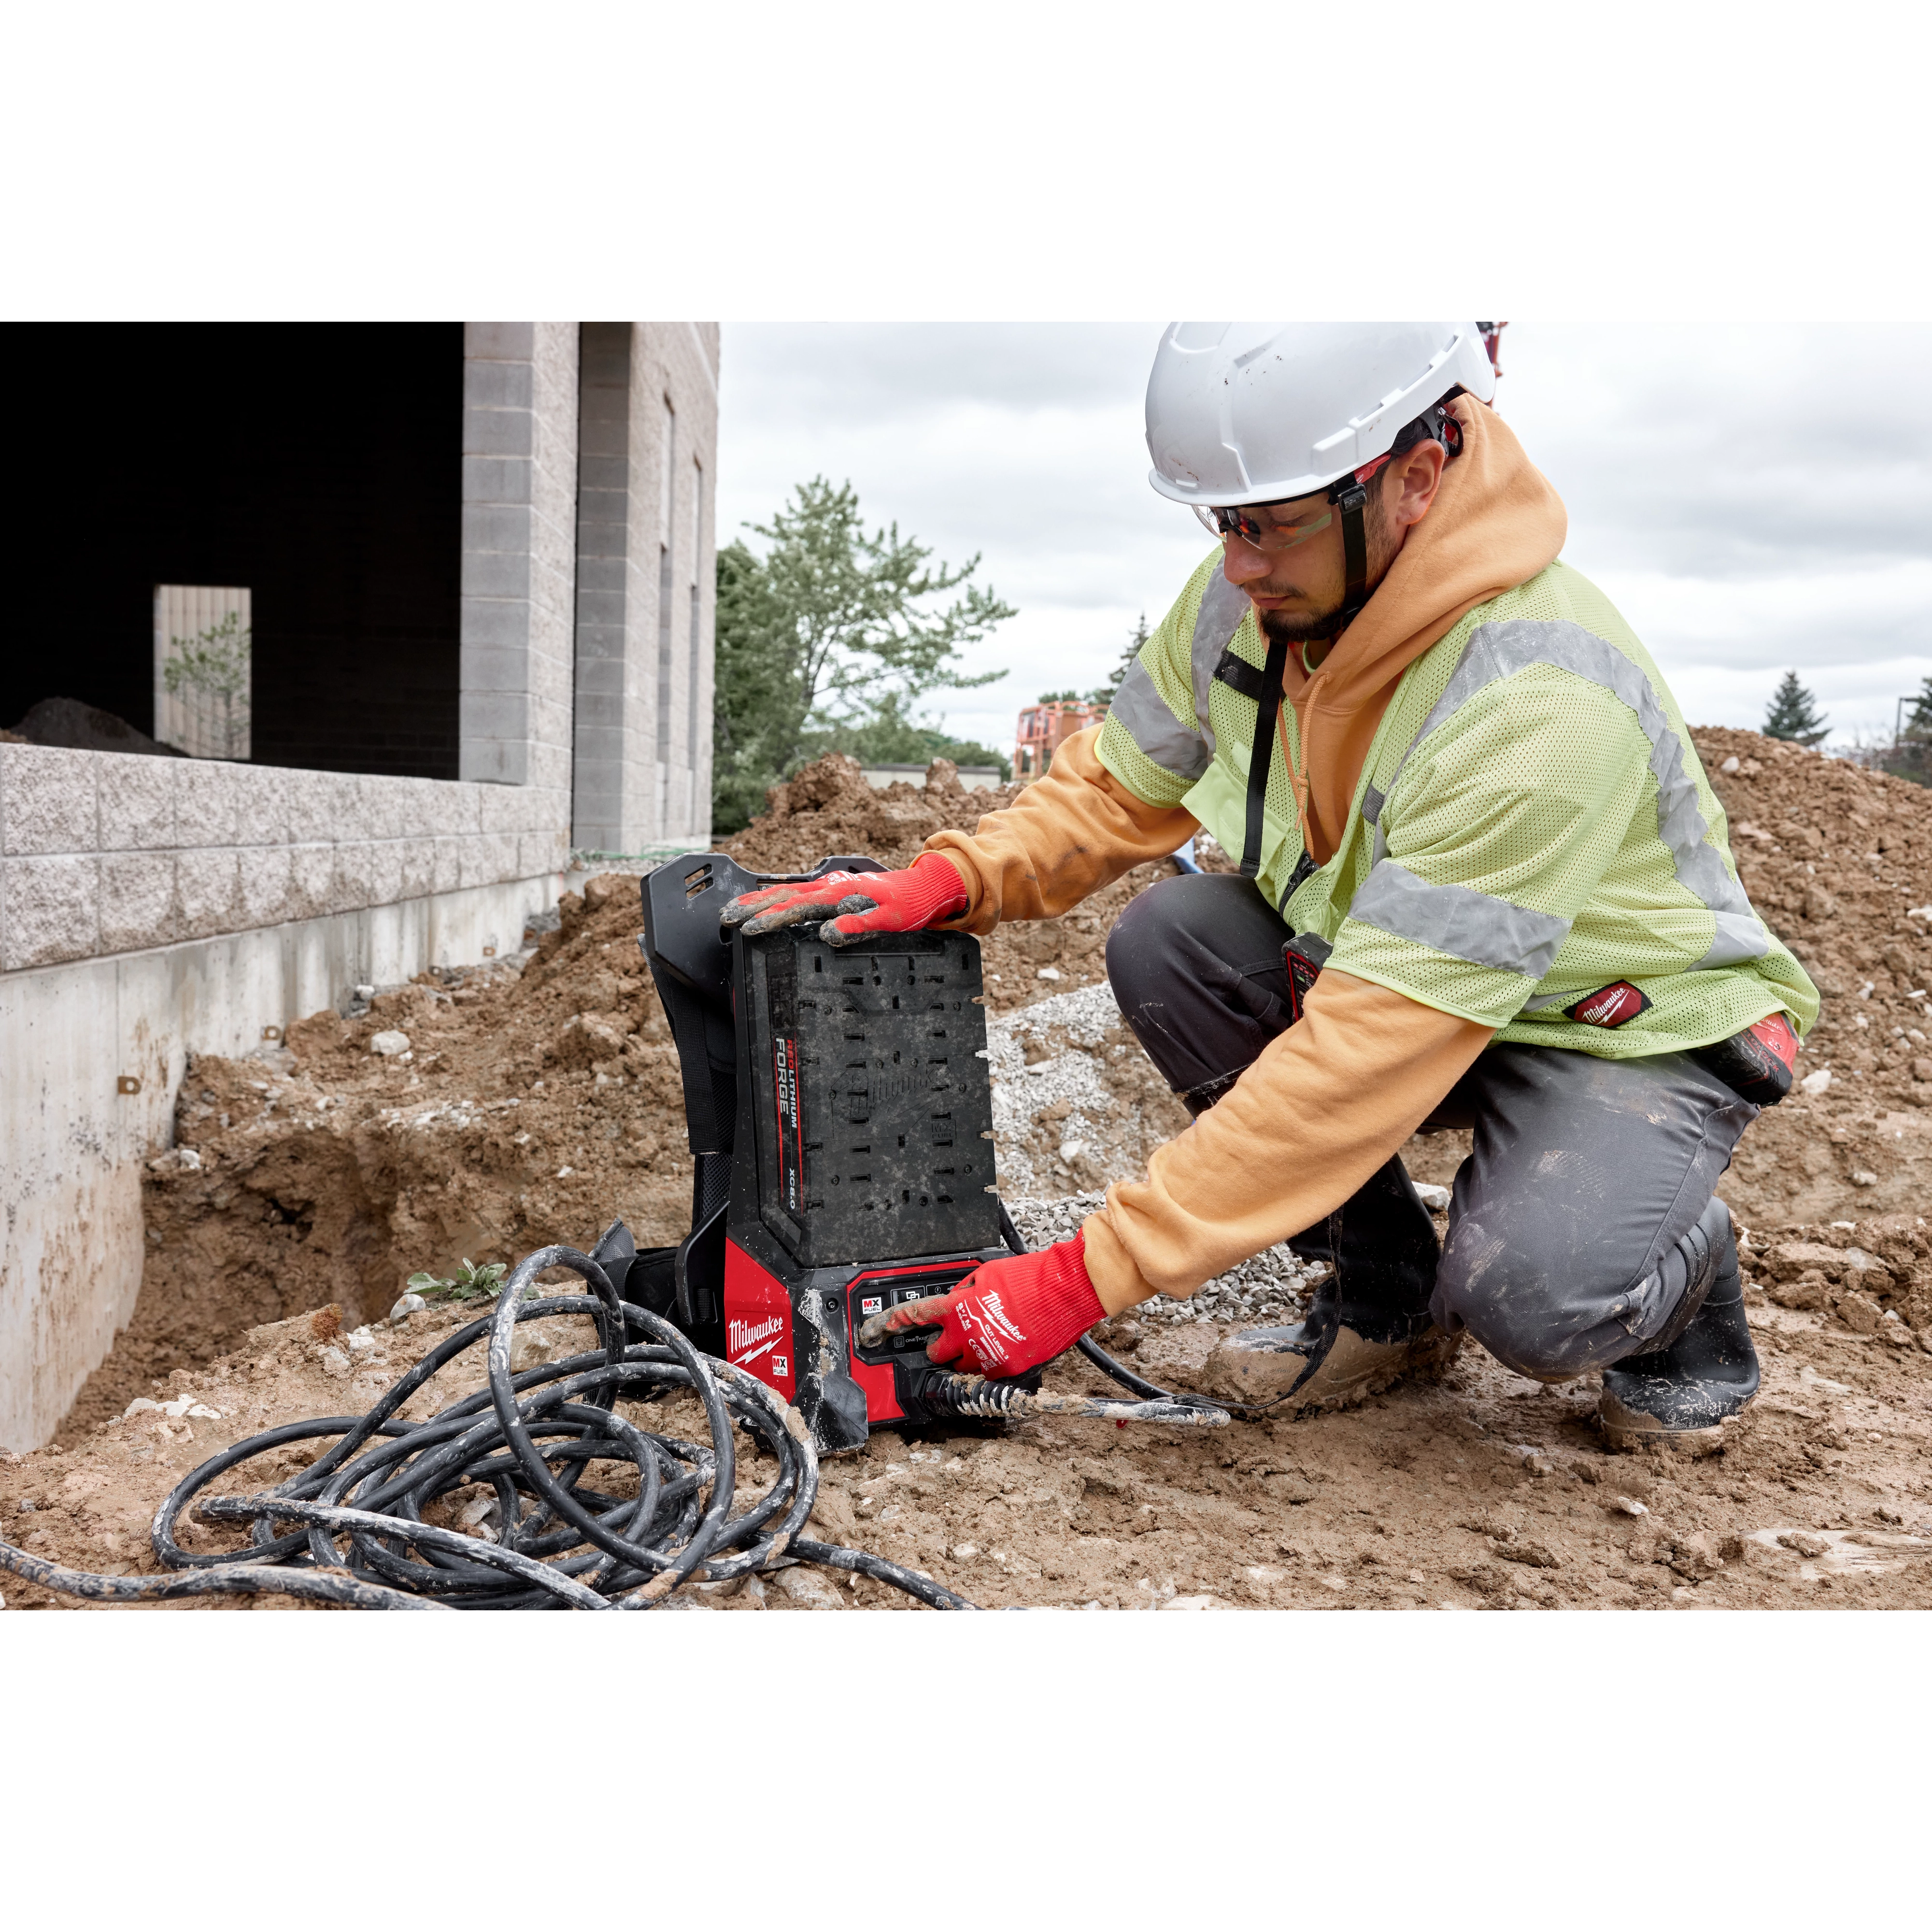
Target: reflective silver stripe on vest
pixel 1501 649
pixel 1459 921
pixel 1223 605
pixel 1153 726
pixel 1538 1002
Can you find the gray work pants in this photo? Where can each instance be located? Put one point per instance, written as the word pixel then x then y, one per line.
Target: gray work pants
pixel 1572 1225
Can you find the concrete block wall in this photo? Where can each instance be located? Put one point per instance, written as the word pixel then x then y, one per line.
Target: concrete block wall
pixel 643 696
pixel 517 614
pixel 614 778
pixel 152 908
pixel 680 360
pixel 102 853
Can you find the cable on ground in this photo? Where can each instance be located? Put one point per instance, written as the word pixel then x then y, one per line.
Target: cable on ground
pixel 349 1530
pixel 1156 1403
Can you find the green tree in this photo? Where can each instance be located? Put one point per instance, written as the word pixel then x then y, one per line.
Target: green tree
pixel 210 672
pixel 1794 714
pixel 1910 755
pixel 831 631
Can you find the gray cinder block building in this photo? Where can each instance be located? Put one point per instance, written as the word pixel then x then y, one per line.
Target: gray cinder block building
pixel 471 566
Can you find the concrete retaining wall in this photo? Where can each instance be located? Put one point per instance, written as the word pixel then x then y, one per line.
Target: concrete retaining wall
pixel 153 907
pixel 72 1142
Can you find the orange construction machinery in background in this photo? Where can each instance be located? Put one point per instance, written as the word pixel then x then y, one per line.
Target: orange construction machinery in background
pixel 1044 728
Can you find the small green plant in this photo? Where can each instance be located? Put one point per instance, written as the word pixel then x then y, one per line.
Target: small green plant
pixel 468 1284
pixel 211 673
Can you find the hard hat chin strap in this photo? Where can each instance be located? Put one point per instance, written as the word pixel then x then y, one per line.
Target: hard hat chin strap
pixel 1351 498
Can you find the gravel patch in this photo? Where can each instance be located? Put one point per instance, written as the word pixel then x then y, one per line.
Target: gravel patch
pixel 1066 1039
pixel 1270 1287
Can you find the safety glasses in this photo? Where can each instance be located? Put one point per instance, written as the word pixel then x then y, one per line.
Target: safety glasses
pixel 1269 527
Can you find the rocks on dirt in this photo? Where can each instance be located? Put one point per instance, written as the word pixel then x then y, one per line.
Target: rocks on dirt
pixel 1874 1277
pixel 803 1589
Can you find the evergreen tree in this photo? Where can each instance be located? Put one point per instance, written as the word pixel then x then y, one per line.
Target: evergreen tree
pixel 1794 714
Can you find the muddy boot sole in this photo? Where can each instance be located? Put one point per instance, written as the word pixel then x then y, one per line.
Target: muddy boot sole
pixel 1625 1428
pixel 1350 1370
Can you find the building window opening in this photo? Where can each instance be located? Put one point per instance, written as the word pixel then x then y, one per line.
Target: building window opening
pixel 204 671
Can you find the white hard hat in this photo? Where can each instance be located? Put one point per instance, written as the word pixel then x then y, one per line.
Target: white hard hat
pixel 1258 412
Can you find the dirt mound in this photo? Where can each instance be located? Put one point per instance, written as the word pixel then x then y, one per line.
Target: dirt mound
pixel 1836 858
pixel 1834 855
pixel 522 1104
pixel 68 724
pixel 829 808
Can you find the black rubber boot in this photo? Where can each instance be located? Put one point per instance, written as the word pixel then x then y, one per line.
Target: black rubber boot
pixel 1682 1395
pixel 1368 1322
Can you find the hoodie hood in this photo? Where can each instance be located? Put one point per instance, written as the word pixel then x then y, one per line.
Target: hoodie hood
pixel 1496 522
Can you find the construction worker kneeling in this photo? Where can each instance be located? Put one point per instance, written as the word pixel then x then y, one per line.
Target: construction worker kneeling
pixel 1484 883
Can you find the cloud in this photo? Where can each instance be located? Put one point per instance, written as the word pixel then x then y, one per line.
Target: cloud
pixel 1755 498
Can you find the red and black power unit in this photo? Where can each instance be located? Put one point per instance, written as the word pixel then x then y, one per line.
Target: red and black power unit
pixel 840 1112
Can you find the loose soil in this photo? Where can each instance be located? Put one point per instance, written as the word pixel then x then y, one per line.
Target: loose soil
pixel 538 1098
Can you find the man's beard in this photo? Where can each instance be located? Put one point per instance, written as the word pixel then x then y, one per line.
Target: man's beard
pixel 1291 628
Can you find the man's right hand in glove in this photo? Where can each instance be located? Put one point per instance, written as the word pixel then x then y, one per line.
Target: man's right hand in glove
pixel 930 891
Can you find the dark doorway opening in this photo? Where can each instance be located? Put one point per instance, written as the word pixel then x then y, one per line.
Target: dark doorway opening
pixel 319 464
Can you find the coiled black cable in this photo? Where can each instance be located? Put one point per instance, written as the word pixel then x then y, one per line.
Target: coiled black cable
pixel 530 1437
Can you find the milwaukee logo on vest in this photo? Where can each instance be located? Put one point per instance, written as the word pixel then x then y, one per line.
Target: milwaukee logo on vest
pixel 1610 1006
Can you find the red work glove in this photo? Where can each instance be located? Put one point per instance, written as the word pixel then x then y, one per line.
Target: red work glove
pixel 889 902
pixel 1008 1316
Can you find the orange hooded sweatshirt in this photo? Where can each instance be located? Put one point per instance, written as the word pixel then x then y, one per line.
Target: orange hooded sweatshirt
pixel 1329 1100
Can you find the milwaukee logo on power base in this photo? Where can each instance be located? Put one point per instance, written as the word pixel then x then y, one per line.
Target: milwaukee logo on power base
pixel 748 1340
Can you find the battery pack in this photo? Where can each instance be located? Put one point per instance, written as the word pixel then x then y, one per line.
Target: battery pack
pixel 872 1113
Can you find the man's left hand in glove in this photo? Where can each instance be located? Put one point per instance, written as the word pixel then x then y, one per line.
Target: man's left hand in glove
pixel 930 889
pixel 1007 1316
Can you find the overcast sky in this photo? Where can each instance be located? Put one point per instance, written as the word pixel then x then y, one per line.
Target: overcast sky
pixel 1752 499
